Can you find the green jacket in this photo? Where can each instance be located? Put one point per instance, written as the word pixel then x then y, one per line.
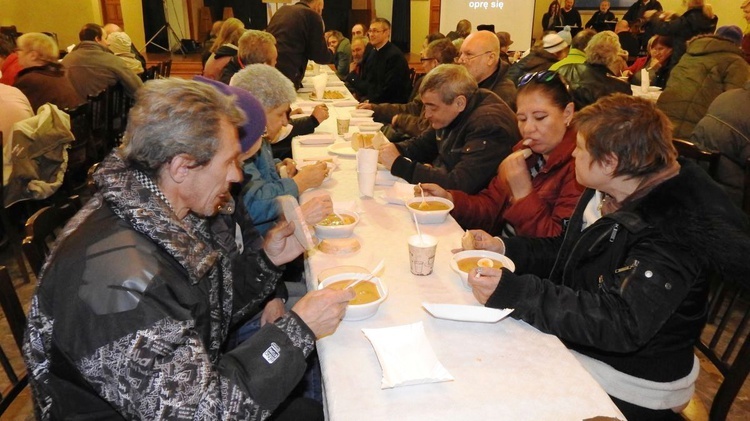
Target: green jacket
pixel 712 65
pixel 575 56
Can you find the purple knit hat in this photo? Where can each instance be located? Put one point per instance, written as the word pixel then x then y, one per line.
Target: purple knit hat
pixel 255 125
pixel 731 32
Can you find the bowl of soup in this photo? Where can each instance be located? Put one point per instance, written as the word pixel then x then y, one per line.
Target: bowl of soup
pixel 370 294
pixel 339 224
pixel 463 262
pixel 433 210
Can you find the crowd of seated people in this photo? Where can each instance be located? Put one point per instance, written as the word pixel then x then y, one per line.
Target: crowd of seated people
pixel 498 135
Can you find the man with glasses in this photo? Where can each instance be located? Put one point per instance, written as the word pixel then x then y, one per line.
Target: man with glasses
pixel 299 32
pixel 407 120
pixel 480 54
pixel 385 71
pixel 472 131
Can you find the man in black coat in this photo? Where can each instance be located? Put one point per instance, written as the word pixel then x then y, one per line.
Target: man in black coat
pixel 299 31
pixel 385 72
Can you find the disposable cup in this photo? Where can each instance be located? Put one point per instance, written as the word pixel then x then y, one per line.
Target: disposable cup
pixel 342 126
pixel 366 182
pixel 422 254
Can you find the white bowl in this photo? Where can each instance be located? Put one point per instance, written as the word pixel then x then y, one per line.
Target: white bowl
pixel 478 253
pixel 361 113
pixel 359 311
pixel 370 127
pixel 337 231
pixel 427 216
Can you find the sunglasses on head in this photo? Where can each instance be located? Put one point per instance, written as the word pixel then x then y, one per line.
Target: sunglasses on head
pixel 544 76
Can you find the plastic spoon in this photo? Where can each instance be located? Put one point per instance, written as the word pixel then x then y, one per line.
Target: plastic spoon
pixel 370 276
pixel 424 204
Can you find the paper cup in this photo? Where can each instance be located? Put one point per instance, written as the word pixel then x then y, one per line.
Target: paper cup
pixel 366 183
pixel 342 126
pixel 422 254
pixel 320 91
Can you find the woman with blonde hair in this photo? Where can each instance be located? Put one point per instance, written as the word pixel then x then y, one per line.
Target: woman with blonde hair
pixel 43 79
pixel 224 47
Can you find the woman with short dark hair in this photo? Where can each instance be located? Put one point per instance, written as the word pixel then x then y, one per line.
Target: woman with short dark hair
pixel 626 286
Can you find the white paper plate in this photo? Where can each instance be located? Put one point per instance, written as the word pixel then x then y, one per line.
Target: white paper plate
pixel 345 103
pixel 317 139
pixel 466 313
pixel 343 149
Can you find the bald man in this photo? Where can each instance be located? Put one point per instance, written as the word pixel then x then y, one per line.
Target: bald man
pixel 480 54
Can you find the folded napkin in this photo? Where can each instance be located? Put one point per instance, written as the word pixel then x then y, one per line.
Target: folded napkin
pixel 399 193
pixel 317 139
pixel 385 178
pixel 406 356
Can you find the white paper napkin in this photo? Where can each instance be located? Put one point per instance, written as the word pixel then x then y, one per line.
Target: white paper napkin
pixel 399 193
pixel 317 139
pixel 406 356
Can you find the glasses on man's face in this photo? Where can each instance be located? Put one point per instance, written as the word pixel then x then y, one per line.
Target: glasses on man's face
pixel 466 57
pixel 375 31
pixel 424 59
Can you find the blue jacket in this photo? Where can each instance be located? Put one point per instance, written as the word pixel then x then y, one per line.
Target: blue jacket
pixel 262 186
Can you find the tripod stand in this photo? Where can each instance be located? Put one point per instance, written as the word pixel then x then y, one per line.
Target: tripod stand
pixel 168 27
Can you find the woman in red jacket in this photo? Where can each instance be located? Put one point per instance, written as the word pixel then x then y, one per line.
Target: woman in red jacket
pixel 535 189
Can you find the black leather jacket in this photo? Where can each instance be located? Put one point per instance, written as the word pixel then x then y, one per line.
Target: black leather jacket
pixel 631 289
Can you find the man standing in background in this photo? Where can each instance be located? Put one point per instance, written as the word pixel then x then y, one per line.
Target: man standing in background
pixel 570 14
pixel 299 32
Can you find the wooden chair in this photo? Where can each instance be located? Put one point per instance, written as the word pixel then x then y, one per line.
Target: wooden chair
pixel 691 151
pixel 42 229
pixel 16 319
pixel 728 347
pixel 165 68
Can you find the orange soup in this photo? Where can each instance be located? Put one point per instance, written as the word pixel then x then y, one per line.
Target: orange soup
pixel 333 220
pixel 469 263
pixel 429 205
pixel 367 292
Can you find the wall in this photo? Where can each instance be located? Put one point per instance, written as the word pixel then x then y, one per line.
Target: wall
pixel 420 23
pixel 66 17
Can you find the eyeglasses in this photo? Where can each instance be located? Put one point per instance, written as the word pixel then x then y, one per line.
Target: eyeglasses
pixel 469 57
pixel 376 31
pixel 423 59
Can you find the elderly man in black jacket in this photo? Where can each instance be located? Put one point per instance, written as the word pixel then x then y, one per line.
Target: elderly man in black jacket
pixel 299 31
pixel 472 131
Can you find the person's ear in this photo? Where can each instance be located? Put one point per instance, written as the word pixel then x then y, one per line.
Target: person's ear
pixel 568 113
pixel 460 103
pixel 178 168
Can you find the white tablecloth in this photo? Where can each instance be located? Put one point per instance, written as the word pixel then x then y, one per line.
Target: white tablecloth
pixel 503 371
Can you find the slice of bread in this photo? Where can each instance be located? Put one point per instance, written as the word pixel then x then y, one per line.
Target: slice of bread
pixel 467 241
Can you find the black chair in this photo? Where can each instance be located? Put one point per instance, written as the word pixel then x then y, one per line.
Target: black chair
pixel 16 319
pixel 43 228
pixel 691 151
pixel 99 125
pixel 78 160
pixel 727 347
pixel 746 189
pixel 11 229
pixel 165 68
pixel 150 73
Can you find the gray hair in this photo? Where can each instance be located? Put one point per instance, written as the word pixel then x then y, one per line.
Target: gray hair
pixel 267 84
pixel 174 116
pixel 450 81
pixel 603 48
pixel 42 44
pixel 256 46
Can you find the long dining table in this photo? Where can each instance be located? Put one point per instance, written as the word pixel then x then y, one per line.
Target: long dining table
pixel 507 370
